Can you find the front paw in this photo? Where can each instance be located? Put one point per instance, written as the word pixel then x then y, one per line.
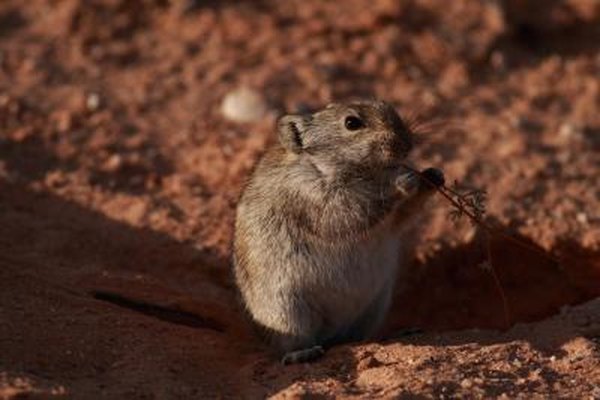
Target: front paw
pixel 303 355
pixel 408 183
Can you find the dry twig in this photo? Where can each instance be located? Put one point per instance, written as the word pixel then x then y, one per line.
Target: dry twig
pixel 471 203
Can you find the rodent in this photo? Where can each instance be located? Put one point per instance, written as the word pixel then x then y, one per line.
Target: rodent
pixel 322 226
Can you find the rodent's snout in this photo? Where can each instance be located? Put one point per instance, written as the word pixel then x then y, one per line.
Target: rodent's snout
pixel 397 143
pixel 402 140
pixel 434 176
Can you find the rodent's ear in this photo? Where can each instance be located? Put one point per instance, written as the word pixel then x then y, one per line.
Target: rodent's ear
pixel 291 132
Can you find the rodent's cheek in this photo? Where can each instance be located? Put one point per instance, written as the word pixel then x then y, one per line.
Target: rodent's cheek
pixel 375 150
pixel 326 166
pixel 367 154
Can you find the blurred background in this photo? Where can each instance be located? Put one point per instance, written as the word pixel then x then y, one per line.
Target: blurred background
pixel 128 97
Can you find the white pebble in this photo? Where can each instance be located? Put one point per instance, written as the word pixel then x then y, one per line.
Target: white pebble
pixel 582 218
pixel 243 105
pixel 92 102
pixel 466 383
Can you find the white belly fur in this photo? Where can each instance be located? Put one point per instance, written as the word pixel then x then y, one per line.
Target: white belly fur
pixel 360 277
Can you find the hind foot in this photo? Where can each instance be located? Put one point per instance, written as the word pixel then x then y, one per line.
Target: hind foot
pixel 302 356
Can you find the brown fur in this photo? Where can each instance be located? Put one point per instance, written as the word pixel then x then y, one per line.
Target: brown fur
pixel 320 227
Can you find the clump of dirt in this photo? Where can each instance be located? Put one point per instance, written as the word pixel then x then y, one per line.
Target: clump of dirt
pixel 119 177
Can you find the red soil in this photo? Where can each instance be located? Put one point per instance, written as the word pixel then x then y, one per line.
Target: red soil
pixel 119 178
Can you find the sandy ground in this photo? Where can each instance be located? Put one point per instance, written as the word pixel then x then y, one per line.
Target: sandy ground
pixel 119 179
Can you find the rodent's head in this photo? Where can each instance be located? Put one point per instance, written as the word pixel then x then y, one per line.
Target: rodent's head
pixel 369 135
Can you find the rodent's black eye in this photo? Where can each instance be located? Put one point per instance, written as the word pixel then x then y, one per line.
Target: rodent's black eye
pixel 353 123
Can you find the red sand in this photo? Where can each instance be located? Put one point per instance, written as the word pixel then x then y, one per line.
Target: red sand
pixel 119 178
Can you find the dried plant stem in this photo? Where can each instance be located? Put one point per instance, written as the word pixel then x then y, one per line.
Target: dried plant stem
pixel 448 193
pixel 499 287
pixel 495 230
pixel 472 211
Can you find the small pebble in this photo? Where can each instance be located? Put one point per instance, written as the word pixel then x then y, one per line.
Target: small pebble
pixel 64 121
pixel 466 383
pixel 582 218
pixel 113 163
pixel 21 134
pixel 498 60
pixel 92 102
pixel 243 105
pixel 567 130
